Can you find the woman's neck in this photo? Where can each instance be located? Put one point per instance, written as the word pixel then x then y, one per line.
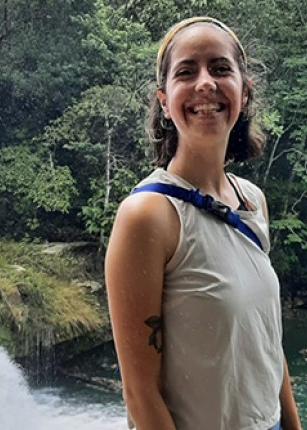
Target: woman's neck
pixel 203 171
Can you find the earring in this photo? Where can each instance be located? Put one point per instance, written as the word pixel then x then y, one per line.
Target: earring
pixel 166 124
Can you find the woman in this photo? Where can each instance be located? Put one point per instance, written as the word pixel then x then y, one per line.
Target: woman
pixel 194 302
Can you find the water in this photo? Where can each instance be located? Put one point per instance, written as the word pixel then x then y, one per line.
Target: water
pixel 52 408
pixel 76 407
pixel 78 412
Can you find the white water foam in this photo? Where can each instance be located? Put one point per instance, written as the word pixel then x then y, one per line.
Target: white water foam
pixel 44 410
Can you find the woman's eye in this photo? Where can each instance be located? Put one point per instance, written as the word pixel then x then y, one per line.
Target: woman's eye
pixel 184 72
pixel 222 70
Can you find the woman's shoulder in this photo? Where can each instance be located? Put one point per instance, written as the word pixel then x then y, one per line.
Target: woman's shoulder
pixel 246 183
pixel 248 188
pixel 145 210
pixel 149 206
pixel 149 216
pixel 160 175
pixel 146 204
pixel 253 193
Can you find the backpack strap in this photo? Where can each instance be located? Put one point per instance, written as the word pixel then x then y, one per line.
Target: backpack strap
pixel 206 202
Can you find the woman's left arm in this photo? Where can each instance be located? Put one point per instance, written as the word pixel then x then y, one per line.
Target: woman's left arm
pixel 290 419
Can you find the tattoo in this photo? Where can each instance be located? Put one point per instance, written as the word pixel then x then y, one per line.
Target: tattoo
pixel 155 339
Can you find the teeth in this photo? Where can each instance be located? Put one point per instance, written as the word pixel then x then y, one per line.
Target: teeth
pixel 206 107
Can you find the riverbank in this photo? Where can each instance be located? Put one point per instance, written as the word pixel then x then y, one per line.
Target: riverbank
pixel 52 298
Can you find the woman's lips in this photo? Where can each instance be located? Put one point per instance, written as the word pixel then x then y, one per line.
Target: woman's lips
pixel 203 108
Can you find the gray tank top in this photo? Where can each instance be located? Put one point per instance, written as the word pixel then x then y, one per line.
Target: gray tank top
pixel 222 359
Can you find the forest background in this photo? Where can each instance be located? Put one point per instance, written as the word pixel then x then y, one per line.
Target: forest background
pixel 75 81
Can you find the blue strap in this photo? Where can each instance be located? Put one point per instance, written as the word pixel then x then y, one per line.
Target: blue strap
pixel 201 201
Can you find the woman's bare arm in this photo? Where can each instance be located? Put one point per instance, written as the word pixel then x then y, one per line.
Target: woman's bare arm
pixel 290 419
pixel 140 245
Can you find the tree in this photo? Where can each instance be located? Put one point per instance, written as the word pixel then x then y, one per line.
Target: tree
pixel 101 148
pixel 30 182
pixel 40 64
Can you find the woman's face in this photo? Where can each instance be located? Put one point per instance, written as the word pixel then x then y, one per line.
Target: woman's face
pixel 204 88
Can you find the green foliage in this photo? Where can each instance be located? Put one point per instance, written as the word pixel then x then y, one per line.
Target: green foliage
pixel 53 189
pixel 28 182
pixel 117 50
pixel 75 78
pixel 40 63
pixel 271 121
pixel 97 132
pixel 99 217
pixel 294 231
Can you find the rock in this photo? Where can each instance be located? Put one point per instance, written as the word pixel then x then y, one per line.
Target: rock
pixel 17 268
pixel 57 248
pixel 12 298
pixel 92 285
pixel 105 384
pixel 14 304
pixel 108 384
pixel 300 303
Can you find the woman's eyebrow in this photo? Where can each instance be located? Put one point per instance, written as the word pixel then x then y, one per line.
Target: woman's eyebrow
pixel 221 60
pixel 185 62
pixel 192 62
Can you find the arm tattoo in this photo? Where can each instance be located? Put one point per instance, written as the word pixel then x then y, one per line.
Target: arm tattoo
pixel 155 338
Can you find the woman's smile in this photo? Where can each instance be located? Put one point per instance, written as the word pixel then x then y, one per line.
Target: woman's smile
pixel 204 108
pixel 204 111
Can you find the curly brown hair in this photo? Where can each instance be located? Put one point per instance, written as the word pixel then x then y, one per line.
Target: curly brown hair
pixel 246 140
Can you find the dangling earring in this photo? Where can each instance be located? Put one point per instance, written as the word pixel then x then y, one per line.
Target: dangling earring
pixel 166 124
pixel 229 161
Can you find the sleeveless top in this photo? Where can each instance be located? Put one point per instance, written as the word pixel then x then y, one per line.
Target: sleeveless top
pixel 222 357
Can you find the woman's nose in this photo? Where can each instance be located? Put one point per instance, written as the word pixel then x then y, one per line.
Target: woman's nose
pixel 205 81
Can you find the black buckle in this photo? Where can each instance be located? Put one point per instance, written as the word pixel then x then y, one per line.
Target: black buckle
pixel 220 210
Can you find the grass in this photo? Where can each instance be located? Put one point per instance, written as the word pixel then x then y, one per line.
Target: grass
pixel 42 297
pixel 29 255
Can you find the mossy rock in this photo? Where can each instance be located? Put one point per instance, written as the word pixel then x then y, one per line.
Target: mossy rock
pixel 42 304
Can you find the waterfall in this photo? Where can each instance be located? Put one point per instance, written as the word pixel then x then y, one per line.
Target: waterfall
pixel 22 409
pixel 17 407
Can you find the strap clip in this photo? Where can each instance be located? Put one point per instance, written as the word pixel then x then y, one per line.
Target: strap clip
pixel 220 210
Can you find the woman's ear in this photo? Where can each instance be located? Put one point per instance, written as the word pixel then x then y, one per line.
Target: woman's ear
pixel 246 92
pixel 163 103
pixel 245 99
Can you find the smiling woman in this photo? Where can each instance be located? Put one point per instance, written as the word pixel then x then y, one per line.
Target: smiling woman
pixel 204 92
pixel 194 300
pixel 246 138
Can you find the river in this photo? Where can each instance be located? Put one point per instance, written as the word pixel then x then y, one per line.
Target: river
pixel 76 407
pixel 54 408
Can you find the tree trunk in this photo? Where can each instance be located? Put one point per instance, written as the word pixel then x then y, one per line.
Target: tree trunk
pixel 270 162
pixel 102 239
pixel 108 165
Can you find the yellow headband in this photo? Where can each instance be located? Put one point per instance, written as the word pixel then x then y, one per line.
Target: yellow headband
pixel 185 23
